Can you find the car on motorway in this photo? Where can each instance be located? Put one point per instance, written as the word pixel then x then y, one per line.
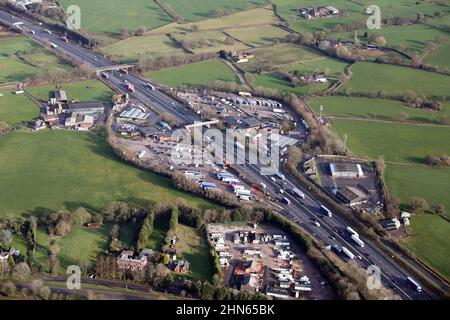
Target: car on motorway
pixel 273 179
pixel 317 224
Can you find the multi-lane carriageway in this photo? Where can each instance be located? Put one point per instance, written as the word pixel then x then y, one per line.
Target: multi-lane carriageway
pixel 302 212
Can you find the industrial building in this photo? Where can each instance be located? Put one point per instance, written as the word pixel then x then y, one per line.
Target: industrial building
pixel 346 170
pixel 135 113
pixel 351 196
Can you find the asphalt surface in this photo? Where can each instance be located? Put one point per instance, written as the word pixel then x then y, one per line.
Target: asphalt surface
pixel 331 230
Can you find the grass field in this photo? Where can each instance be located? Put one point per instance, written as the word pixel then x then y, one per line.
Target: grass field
pixel 160 228
pixel 17 69
pixel 211 41
pixel 118 15
pixel 397 142
pixel 431 183
pixel 440 56
pixel 193 10
pixel 366 108
pixel 258 35
pixel 195 250
pixel 85 91
pixel 82 246
pixel 133 48
pixel 280 56
pixel 194 74
pixel 412 37
pixel 395 80
pixel 52 170
pixel 263 15
pixel 15 109
pixel 12 45
pixel 329 66
pixel 42 242
pixel 430 236
pixel 355 9
pixel 128 233
pixel 272 81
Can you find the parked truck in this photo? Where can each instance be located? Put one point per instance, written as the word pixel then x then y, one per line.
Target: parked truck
pixel 230 180
pixel 243 192
pixel 141 154
pixel 358 241
pixel 208 186
pixel 348 253
pixel 352 231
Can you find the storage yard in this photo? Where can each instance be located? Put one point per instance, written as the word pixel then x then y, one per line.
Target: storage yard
pixel 263 258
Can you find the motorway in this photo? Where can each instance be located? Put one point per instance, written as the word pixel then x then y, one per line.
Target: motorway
pixel 331 230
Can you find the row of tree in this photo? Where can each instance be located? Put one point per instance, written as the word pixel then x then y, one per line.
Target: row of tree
pixel 146 230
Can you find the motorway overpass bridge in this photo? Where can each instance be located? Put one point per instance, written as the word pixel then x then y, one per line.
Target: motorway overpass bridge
pixel 114 67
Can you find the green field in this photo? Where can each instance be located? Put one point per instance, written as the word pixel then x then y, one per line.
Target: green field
pixel 203 9
pixel 195 250
pixel 412 37
pixel 404 143
pixel 430 236
pixel 42 242
pixel 85 91
pixel 280 56
pixel 210 41
pixel 431 183
pixel 355 10
pixel 440 56
pixel 367 108
pixel 82 246
pixel 194 74
pixel 15 109
pixel 116 15
pixel 259 35
pixel 395 80
pixel 272 81
pixel 17 69
pixel 53 170
pixel 12 45
pixel 128 233
pixel 329 66
pixel 133 48
pixel 160 228
pixel 263 15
